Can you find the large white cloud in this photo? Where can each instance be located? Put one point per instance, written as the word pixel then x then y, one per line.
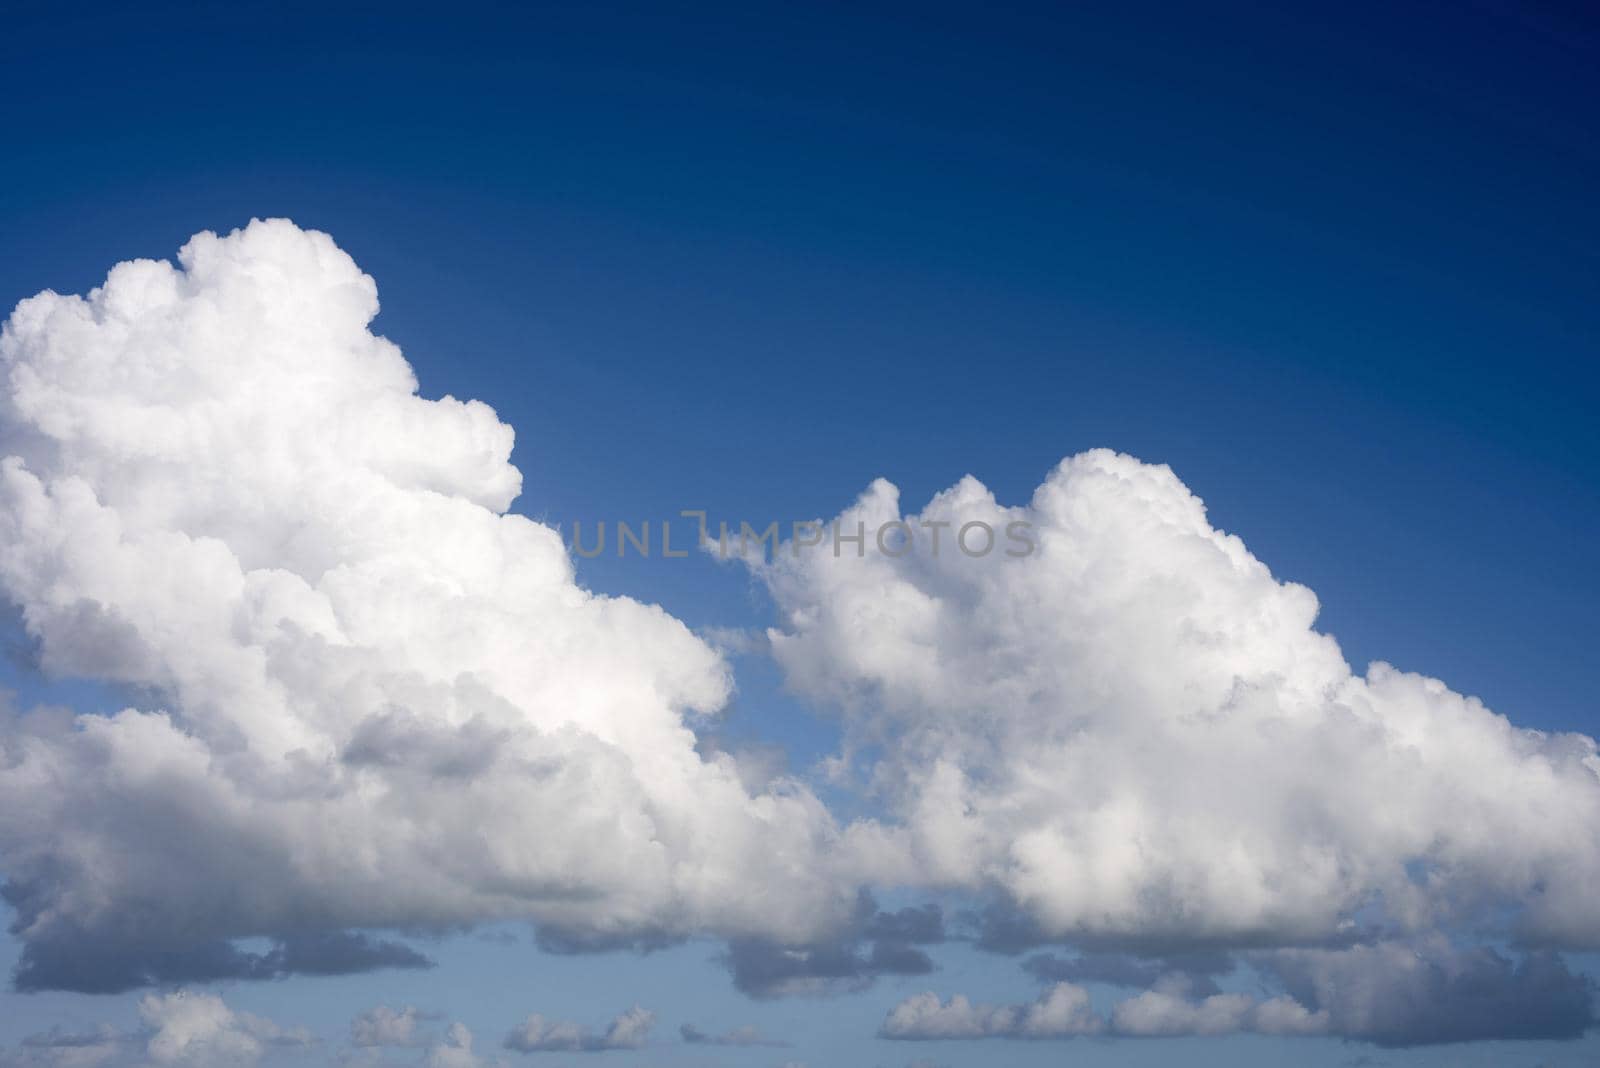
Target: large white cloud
pixel 372 697
pixel 362 694
pixel 1136 732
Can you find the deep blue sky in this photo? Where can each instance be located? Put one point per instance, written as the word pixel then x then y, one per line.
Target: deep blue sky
pixel 1337 268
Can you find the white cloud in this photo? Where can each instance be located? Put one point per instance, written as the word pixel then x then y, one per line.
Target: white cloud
pixel 189 1028
pixel 385 1026
pixel 379 699
pixel 1135 732
pixel 455 1050
pixel 1062 1011
pixel 1167 1011
pixel 630 1030
pixel 365 696
pixel 183 1028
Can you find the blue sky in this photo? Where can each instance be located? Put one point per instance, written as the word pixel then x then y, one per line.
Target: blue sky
pixel 1337 269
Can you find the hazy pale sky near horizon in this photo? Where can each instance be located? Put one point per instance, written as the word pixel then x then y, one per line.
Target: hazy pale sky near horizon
pixel 1277 328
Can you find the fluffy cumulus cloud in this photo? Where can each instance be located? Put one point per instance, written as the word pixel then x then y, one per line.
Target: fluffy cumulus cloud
pixel 184 1028
pixel 455 1050
pixel 1170 1009
pixel 357 694
pixel 1063 1011
pixel 1134 733
pixel 199 1029
pixel 385 1026
pixel 361 694
pixel 536 1034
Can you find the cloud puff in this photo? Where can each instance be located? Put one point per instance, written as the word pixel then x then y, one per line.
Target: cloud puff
pixel 384 1026
pixel 630 1030
pixel 1062 1011
pixel 190 1028
pixel 1135 732
pixel 362 694
pixel 179 1029
pixel 455 1050
pixel 1169 1010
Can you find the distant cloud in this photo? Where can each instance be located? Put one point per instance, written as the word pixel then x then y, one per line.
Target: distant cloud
pixel 103 1046
pixel 183 1029
pixel 199 1029
pixel 1063 1011
pixel 738 1036
pixel 455 1050
pixel 1389 994
pixel 384 1026
pixel 1171 1010
pixel 630 1030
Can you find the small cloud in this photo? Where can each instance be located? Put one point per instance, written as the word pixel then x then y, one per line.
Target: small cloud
pixel 1063 1011
pixel 630 1030
pixel 385 1026
pixel 738 1036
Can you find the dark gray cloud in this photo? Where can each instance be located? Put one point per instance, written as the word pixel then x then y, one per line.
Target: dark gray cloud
pixel 1002 927
pixel 922 924
pixel 1392 994
pixel 875 943
pixel 91 966
pixel 1131 970
pixel 766 969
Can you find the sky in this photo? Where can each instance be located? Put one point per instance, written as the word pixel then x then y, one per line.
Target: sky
pixel 1334 270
